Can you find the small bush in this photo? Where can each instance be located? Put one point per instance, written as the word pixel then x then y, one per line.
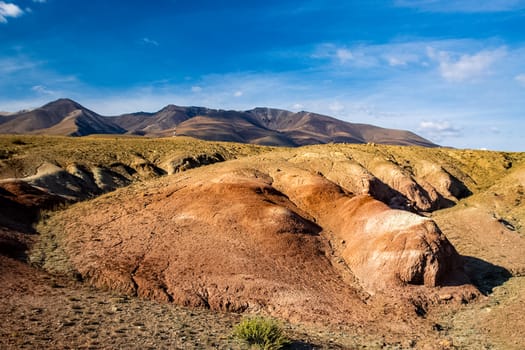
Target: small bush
pixel 261 333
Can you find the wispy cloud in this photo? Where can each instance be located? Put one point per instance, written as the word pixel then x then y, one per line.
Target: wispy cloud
pixel 36 79
pixel 196 88
pixel 357 56
pixel 344 55
pixel 465 67
pixel 336 107
pixel 40 1
pixel 9 10
pixel 9 65
pixel 43 90
pixel 150 41
pixel 520 78
pixel 401 59
pixel 395 55
pixel 455 60
pixel 466 6
pixel 439 130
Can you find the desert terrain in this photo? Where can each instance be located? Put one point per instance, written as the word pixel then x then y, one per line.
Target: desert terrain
pixel 135 242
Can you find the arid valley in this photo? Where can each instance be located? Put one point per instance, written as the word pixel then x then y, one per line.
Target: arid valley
pixel 278 174
pixel 149 243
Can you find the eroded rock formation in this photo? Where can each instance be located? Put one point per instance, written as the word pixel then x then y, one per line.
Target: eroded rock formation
pixel 234 236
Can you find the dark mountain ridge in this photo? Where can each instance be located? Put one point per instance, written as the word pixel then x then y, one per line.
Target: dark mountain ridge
pixel 60 117
pixel 261 125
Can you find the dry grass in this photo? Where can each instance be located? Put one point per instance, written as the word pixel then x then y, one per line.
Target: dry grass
pixel 21 155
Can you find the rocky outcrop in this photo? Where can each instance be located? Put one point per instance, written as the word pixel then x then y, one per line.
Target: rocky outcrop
pixel 267 235
pixel 383 247
pixel 76 182
pixel 226 240
pixel 178 164
pixel 423 187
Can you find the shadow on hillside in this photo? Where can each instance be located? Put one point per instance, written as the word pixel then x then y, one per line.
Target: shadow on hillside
pixel 484 275
pixel 12 245
pixel 397 200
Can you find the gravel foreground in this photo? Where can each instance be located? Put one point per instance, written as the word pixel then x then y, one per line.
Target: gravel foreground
pixel 40 311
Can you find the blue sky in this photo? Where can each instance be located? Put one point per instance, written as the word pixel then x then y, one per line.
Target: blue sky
pixel 451 71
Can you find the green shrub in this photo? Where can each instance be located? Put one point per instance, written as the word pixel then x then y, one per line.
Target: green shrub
pixel 261 333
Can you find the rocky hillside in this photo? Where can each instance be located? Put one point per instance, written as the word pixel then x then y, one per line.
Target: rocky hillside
pixel 263 126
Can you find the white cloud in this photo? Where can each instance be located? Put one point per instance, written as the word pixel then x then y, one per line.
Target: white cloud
pixel 336 107
pixel 358 56
pixel 465 67
pixel 9 65
pixel 344 55
pixel 150 41
pixel 43 90
pixel 40 1
pixel 438 130
pixel 9 10
pixel 196 89
pixel 396 54
pixel 395 59
pixel 520 78
pixel 297 106
pixel 238 93
pixel 467 6
pixel 323 51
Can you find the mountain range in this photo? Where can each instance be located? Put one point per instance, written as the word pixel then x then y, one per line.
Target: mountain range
pixel 263 126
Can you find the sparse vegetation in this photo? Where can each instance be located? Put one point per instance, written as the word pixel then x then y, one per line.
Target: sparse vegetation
pixel 261 333
pixel 32 151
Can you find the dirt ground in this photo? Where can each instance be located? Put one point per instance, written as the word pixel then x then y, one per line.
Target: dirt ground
pixel 41 311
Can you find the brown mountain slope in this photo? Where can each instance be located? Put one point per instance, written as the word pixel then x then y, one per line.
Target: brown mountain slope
pixel 61 117
pixel 232 126
pixel 310 128
pixel 263 126
pixel 168 118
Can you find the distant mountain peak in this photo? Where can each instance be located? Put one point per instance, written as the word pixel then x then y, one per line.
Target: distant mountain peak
pixel 60 117
pixel 260 125
pixel 170 107
pixel 62 102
